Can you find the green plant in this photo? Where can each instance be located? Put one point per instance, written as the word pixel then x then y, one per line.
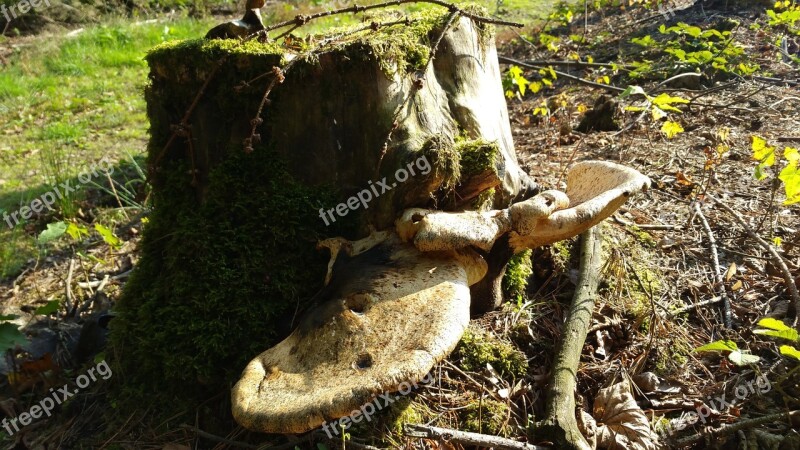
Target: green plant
pixel 778 329
pixel 766 156
pixel 736 356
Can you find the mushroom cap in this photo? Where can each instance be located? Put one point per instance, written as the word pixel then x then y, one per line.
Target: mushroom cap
pixel 595 189
pixel 386 318
pixel 435 230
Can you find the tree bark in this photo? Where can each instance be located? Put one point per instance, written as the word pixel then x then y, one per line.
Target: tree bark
pixel 560 425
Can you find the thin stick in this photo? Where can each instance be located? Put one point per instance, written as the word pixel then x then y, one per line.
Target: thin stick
pixel 302 20
pixel 607 87
pixel 738 426
pixel 726 303
pixel 777 259
pixel 215 438
pixel 70 298
pixel 466 438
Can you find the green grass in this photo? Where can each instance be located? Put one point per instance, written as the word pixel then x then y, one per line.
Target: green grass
pixel 68 102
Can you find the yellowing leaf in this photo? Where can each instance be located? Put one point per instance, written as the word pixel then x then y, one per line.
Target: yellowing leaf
pixel 582 108
pixel 790 175
pixel 762 152
pixel 791 154
pixel 657 113
pixel 788 350
pixel 671 129
pixel 666 99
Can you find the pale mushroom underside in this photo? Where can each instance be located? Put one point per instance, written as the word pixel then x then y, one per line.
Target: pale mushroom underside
pixel 399 301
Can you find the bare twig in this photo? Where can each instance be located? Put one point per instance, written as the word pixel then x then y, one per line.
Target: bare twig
pixel 302 20
pixel 466 438
pixel 777 259
pixel 726 430
pixel 214 438
pixel 183 126
pixel 607 87
pixel 726 303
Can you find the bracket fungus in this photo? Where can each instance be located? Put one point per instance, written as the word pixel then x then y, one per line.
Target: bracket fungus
pixel 398 302
pixel 386 317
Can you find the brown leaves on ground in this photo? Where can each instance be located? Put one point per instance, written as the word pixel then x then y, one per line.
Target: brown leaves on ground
pixel 621 423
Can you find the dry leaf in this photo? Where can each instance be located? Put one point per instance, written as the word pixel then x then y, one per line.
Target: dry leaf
pixel 621 423
pixel 588 427
pixel 731 272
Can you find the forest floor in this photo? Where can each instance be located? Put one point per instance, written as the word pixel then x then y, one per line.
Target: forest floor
pixel 663 293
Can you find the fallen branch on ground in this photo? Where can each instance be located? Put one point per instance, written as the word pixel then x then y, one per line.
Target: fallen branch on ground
pixel 466 438
pixel 726 430
pixel 726 303
pixel 776 259
pixel 560 425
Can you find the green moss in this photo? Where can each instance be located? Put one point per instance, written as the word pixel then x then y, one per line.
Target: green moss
pixel 477 156
pixel 562 253
pixel 519 269
pixel 486 416
pixel 644 237
pixel 478 348
pixel 485 200
pixel 214 276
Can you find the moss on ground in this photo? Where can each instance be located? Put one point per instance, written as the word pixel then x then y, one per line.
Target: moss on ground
pixel 518 271
pixel 479 348
pixel 486 416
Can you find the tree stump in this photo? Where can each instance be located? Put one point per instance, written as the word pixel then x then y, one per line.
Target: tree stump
pixel 244 184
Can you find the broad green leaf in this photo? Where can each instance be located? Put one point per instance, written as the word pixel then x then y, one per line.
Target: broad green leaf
pixel 632 90
pixel 790 175
pixel 10 336
pixel 671 129
pixel 8 317
pixel 788 334
pixel 53 232
pixel 742 359
pixel 772 324
pixel 762 152
pixel 76 232
pixel 788 350
pixel 759 173
pixel 718 346
pixel 108 236
pixel 49 308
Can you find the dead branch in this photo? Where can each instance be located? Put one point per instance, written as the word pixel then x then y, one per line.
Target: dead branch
pixel 301 20
pixel 560 425
pixel 726 303
pixel 776 258
pixel 726 430
pixel 466 438
pixel 607 87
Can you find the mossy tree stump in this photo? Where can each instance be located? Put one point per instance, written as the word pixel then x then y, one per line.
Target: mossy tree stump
pixel 228 257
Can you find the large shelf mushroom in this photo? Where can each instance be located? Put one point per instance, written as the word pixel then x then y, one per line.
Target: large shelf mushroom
pixel 398 302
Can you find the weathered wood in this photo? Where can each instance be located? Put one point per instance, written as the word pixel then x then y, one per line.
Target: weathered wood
pixel 560 425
